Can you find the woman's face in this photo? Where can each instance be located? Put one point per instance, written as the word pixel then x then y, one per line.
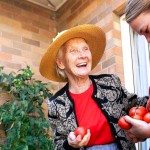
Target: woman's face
pixel 77 58
pixel 141 25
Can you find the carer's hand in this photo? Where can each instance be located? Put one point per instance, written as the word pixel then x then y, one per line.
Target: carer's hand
pixel 139 129
pixel 78 142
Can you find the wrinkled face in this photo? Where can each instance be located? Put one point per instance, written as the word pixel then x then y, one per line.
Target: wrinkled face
pixel 77 58
pixel 141 25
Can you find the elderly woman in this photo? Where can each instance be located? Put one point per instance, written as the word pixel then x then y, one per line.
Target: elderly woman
pixel 93 101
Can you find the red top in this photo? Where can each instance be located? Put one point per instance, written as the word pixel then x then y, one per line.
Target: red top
pixel 90 116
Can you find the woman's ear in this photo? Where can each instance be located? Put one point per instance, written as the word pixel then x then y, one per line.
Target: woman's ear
pixel 60 63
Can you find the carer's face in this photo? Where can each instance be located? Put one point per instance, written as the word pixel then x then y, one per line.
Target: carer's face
pixel 141 25
pixel 78 58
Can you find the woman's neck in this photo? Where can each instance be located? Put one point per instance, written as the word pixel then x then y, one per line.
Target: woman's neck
pixel 79 85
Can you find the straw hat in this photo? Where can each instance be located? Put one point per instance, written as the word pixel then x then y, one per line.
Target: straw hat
pixel 92 34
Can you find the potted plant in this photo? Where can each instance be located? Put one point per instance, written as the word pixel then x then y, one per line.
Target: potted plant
pixel 21 115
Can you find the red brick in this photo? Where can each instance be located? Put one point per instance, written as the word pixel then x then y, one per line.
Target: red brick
pixel 72 16
pixel 5 56
pixel 108 62
pixel 76 6
pixel 97 69
pixel 23 5
pixel 40 25
pixel 109 43
pixel 30 28
pixel 119 7
pixel 21 46
pixel 41 12
pixel 7 6
pixel 6 13
pixel 30 41
pixel 115 51
pixel 108 2
pixel 24 61
pixel 104 13
pixel 5 41
pixel 10 65
pixel 41 37
pixel 11 36
pixel 44 45
pixel 10 50
pixel 22 19
pixel 30 15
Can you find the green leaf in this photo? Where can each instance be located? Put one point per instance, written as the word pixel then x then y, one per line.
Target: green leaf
pixel 22 147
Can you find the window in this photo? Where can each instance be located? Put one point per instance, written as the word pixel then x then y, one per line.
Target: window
pixel 136 59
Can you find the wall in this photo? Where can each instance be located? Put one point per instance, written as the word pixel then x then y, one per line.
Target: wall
pixel 26 31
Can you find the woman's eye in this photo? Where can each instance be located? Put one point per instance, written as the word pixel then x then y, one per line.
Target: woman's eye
pixel 147 30
pixel 86 48
pixel 73 50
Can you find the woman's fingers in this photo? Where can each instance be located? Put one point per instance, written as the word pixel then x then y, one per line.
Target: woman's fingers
pixel 77 142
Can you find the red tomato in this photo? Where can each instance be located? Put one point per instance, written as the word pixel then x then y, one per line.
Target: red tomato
pixel 139 110
pixel 132 111
pixel 80 131
pixel 138 117
pixel 146 118
pixel 123 124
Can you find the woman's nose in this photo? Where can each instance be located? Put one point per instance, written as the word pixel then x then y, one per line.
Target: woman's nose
pixel 81 53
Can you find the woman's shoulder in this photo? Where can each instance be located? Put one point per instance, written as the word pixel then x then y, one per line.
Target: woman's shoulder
pixel 60 93
pixel 101 76
pixel 106 79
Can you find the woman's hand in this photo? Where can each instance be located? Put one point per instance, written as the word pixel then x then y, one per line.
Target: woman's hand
pixel 78 142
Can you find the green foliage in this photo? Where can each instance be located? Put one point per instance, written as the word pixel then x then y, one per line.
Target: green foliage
pixel 22 114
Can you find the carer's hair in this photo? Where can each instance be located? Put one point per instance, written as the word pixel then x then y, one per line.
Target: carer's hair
pixel 135 8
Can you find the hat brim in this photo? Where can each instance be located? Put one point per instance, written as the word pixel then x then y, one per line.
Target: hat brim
pixel 92 34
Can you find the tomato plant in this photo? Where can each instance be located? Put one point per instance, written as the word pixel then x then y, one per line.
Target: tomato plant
pixel 146 118
pixel 22 114
pixel 80 131
pixel 123 124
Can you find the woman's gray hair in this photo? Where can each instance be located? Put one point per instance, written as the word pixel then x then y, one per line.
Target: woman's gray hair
pixel 135 8
pixel 60 72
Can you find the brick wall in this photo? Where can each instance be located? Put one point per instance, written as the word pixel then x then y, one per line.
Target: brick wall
pixel 25 32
